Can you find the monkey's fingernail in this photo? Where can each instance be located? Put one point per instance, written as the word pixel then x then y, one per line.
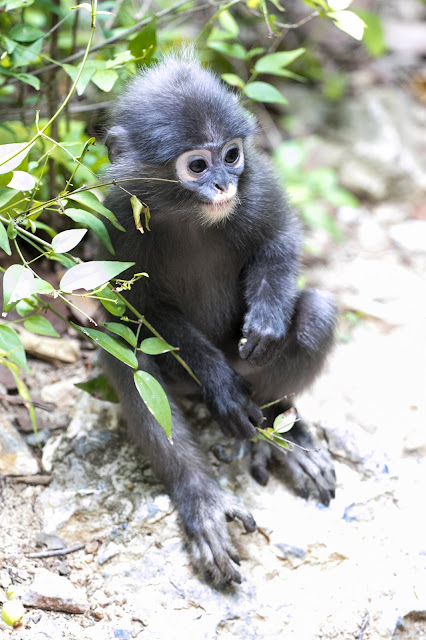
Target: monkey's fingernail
pixel 242 342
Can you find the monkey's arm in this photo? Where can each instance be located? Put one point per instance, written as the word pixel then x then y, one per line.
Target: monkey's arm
pixel 224 390
pixel 270 283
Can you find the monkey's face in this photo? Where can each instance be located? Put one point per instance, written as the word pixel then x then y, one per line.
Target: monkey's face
pixel 212 174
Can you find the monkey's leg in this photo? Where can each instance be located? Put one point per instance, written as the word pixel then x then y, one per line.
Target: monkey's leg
pixel 203 508
pixel 310 337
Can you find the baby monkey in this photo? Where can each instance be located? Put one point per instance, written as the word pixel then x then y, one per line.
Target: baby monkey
pixel 223 260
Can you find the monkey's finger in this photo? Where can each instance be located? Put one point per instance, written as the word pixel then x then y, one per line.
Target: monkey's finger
pixel 255 414
pixel 246 346
pixel 264 351
pixel 246 518
pixel 236 423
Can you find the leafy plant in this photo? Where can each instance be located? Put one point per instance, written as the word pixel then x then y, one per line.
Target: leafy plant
pixel 47 159
pixel 314 191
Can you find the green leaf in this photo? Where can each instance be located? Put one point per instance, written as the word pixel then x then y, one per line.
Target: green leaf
pixel 11 346
pixel 121 330
pixel 114 346
pixel 90 275
pixel 139 208
pixel 275 62
pixel 256 51
pixel 10 5
pixel 277 5
pixel 22 181
pixel 22 77
pixel 89 200
pixel 16 279
pixel 41 326
pixel 144 44
pixel 218 34
pixel 9 45
pixel 23 56
pixel 155 346
pixel 11 229
pixel 83 5
pixel 27 78
pixel 155 398
pixel 229 23
pixel 9 150
pixel 374 36
pixel 119 59
pixel 318 217
pixel 66 240
pixel 113 304
pixel 26 306
pixel 4 240
pixel 99 388
pixel 62 259
pixel 93 223
pixel 5 178
pixel 6 195
pixel 339 5
pixel 233 80
pixel 19 283
pixel 25 33
pixel 233 49
pixel 317 4
pixel 285 421
pixel 348 22
pixel 105 79
pixel 85 77
pixel 263 92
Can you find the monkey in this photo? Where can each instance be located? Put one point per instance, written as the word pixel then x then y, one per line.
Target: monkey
pixel 223 258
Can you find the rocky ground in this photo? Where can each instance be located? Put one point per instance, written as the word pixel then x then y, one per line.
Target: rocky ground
pixel 352 571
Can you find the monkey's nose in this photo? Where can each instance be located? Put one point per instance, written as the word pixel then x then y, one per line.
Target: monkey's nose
pixel 219 187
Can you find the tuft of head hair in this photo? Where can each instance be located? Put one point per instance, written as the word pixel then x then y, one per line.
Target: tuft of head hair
pixel 177 105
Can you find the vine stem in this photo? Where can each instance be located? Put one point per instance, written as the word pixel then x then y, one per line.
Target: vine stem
pixel 157 335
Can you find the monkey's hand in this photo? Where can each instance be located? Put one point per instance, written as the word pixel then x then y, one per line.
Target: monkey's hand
pixel 262 338
pixel 230 405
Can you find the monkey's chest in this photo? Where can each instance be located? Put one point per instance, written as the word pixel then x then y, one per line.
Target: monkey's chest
pixel 207 289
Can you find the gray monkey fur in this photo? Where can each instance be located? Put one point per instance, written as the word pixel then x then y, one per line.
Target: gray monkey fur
pixel 212 282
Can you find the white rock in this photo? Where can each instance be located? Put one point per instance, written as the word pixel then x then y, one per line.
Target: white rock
pixel 15 456
pixel 54 593
pixel 410 235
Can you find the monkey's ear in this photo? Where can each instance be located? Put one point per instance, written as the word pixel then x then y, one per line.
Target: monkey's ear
pixel 117 142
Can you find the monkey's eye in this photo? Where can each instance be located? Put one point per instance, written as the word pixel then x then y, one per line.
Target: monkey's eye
pixel 232 155
pixel 198 165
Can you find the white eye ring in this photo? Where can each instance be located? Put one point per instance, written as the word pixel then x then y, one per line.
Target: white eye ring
pixel 186 159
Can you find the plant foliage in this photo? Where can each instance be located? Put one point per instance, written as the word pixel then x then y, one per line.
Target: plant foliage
pixel 56 63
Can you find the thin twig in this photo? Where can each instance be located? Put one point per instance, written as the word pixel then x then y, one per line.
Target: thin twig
pixel 18 400
pixel 364 625
pixel 301 22
pixel 32 480
pixel 56 552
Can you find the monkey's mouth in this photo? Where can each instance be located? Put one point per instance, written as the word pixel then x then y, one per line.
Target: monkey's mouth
pixel 218 210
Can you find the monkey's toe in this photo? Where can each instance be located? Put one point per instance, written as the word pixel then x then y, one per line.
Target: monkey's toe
pixel 212 550
pixel 261 453
pixel 309 473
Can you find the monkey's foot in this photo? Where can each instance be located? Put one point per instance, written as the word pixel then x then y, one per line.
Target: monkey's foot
pixel 310 473
pixel 204 521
